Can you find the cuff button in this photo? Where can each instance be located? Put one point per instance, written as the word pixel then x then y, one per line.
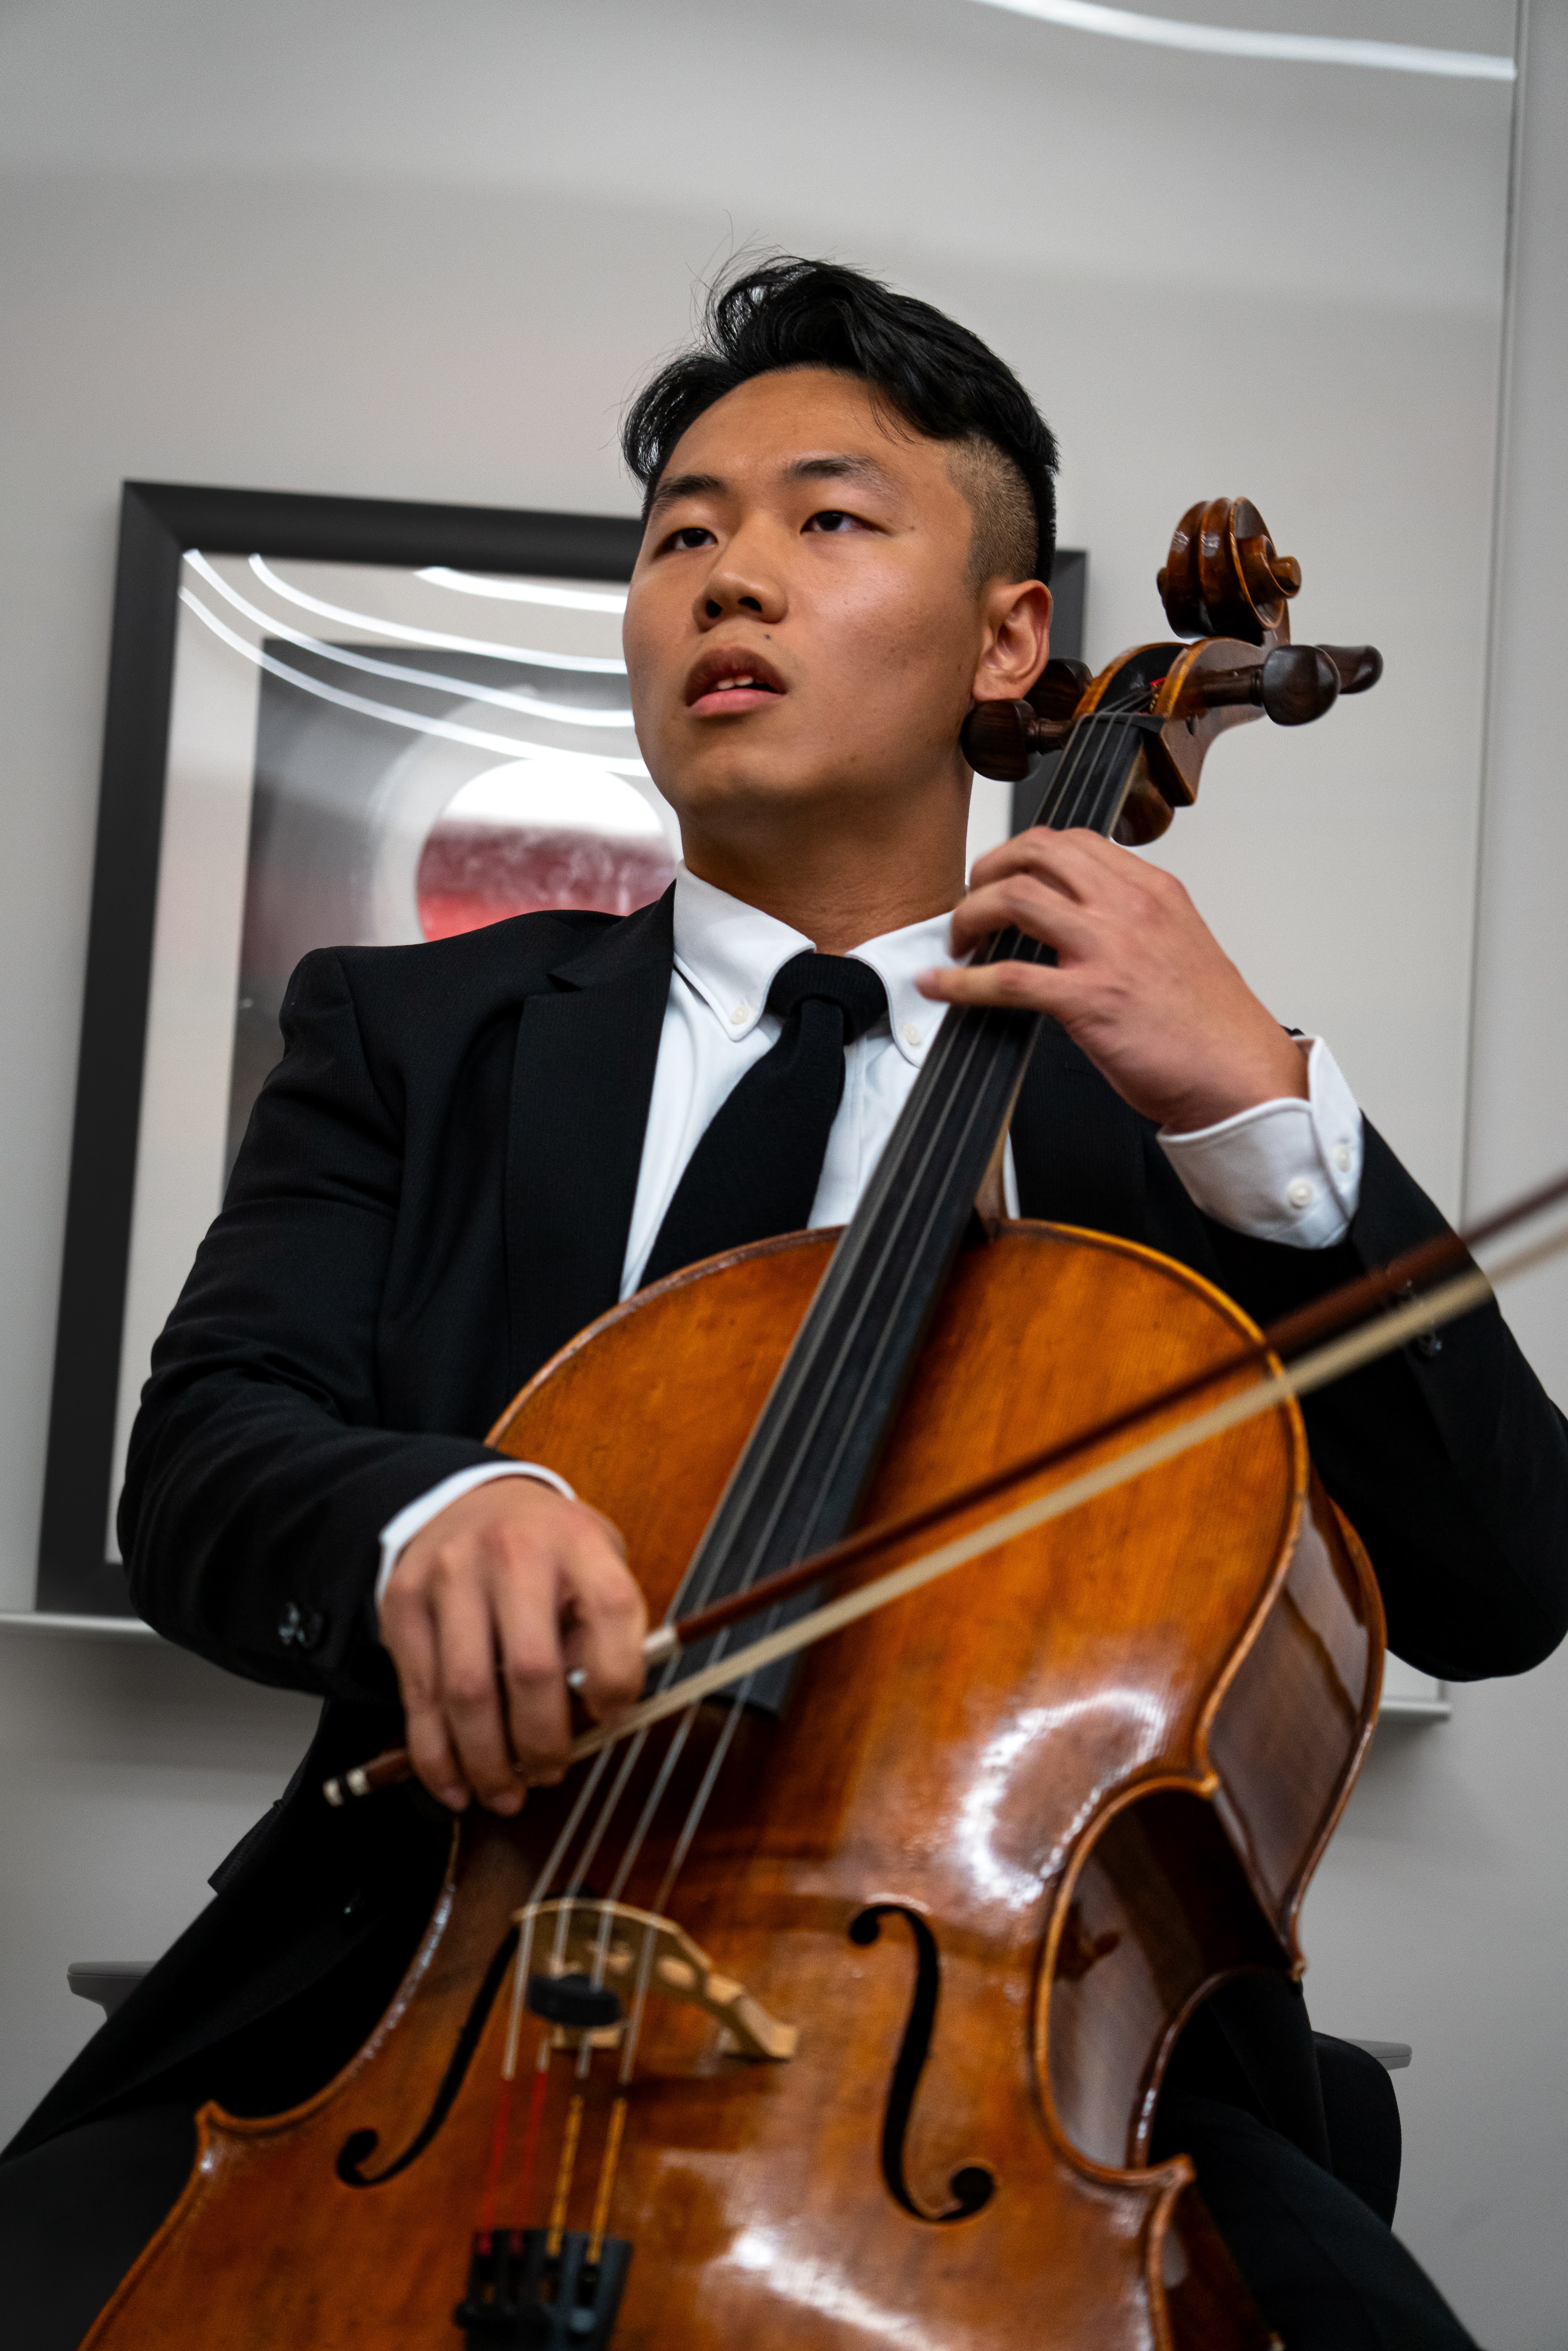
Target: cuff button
pixel 1301 1192
pixel 300 1629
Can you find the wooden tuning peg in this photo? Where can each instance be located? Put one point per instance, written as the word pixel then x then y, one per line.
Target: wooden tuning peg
pixel 999 739
pixel 1292 684
pixel 1002 738
pixel 1359 667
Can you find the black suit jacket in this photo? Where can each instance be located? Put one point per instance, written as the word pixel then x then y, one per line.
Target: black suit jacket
pixel 434 1196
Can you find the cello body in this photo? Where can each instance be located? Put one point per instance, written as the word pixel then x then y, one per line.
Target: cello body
pixel 954 1903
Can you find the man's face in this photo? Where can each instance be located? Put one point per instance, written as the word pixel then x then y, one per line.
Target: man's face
pixel 801 624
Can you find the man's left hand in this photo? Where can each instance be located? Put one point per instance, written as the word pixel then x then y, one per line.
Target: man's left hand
pixel 1140 983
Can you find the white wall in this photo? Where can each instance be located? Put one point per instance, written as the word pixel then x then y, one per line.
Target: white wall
pixel 414 252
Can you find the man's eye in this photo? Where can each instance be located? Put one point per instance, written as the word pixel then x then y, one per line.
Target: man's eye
pixel 690 534
pixel 834 519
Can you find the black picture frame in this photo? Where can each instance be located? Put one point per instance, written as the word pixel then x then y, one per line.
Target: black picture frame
pixel 160 523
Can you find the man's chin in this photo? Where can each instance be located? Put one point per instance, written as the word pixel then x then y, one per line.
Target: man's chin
pixel 768 805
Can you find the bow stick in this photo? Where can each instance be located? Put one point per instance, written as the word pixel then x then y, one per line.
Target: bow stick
pixel 1309 1356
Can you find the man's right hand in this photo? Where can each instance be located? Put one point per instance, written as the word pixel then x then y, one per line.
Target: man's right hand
pixel 488 1608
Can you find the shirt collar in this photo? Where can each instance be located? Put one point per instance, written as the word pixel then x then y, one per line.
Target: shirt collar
pixel 731 953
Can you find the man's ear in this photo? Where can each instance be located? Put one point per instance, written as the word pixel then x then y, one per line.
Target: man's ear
pixel 1017 641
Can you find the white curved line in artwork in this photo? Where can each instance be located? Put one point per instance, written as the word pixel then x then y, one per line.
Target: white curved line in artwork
pixel 511 746
pixel 597 665
pixel 527 705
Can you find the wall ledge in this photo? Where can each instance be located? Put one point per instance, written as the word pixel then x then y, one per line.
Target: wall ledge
pixel 101 1628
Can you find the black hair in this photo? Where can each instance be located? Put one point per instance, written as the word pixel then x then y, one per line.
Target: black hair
pixel 936 375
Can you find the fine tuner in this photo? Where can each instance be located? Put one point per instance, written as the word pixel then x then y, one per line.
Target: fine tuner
pixel 1225 584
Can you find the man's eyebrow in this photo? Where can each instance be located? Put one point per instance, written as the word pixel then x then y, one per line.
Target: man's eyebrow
pixel 839 469
pixel 685 485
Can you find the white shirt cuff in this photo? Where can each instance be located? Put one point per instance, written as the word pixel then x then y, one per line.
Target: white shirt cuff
pixel 1283 1171
pixel 399 1533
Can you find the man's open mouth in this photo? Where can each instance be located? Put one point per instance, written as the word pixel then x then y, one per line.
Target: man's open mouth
pixel 731 681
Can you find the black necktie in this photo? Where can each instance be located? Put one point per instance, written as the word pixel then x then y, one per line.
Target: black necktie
pixel 756 1169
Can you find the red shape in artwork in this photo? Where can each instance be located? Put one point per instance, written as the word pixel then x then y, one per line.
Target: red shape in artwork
pixel 471 875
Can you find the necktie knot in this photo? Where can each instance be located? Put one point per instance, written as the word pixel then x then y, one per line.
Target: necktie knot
pixel 756 1168
pixel 854 987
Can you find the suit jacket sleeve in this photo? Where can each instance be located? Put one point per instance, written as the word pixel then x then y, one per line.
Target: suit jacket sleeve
pixel 1449 1457
pixel 258 1475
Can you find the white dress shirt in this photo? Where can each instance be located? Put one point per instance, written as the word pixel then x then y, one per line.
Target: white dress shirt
pixel 1283 1171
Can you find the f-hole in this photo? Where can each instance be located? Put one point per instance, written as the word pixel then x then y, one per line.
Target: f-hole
pixel 361 2145
pixel 973 2186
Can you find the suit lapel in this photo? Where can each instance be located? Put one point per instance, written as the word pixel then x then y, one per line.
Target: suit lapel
pixel 581 1081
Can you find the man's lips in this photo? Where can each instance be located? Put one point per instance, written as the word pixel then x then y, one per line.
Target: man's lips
pixel 726 683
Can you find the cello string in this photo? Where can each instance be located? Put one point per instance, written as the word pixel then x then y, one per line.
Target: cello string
pixel 1094 806
pixel 533 2129
pixel 699 1802
pixel 564 2169
pixel 577 1884
pixel 580 1802
pixel 607 2168
pixel 694 1809
pixel 1101 736
pixel 1067 815
pixel 632 2036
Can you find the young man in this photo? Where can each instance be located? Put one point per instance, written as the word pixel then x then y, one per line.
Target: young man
pixel 471 1149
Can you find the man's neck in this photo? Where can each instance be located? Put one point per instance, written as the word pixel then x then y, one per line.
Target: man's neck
pixel 837 894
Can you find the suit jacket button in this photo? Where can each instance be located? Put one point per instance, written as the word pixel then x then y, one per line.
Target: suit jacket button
pixel 300 1629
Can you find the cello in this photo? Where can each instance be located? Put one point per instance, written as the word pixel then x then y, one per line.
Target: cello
pixel 837 2002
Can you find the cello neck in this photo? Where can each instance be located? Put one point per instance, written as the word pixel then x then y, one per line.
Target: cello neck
pixel 799 1481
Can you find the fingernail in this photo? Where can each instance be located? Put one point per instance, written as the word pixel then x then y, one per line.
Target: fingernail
pixel 456 1799
pixel 508 1803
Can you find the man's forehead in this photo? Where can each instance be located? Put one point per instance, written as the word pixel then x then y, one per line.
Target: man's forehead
pixel 734 469
pixel 796 424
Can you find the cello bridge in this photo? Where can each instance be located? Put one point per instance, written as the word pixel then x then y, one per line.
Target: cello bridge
pixel 634 1952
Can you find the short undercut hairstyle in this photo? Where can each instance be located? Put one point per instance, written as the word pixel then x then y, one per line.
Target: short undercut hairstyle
pixel 935 375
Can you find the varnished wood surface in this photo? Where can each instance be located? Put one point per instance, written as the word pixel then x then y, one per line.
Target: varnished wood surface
pixel 1059 1770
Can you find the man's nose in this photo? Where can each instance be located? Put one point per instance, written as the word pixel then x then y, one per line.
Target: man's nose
pixel 740 583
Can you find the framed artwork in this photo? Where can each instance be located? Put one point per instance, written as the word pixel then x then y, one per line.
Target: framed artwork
pixel 329 721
